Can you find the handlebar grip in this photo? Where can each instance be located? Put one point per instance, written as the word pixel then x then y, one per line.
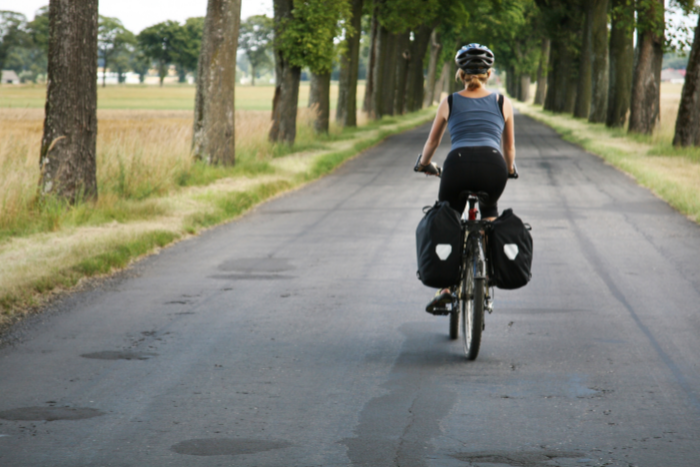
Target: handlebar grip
pixel 515 172
pixel 430 169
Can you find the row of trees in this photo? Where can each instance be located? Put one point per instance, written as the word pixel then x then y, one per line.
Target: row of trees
pixel 24 45
pixel 593 71
pixel 583 56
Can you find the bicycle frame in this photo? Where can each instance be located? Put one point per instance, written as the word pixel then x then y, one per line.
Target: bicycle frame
pixel 474 232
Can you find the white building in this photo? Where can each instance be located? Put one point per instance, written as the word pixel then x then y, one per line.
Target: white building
pixel 9 77
pixel 673 76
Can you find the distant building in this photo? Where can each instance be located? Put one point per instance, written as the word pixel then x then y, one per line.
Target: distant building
pixel 672 76
pixel 113 77
pixel 9 77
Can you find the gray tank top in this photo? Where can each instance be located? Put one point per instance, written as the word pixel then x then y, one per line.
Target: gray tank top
pixel 475 122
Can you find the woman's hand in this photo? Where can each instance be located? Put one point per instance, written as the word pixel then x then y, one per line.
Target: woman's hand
pixel 430 168
pixel 513 172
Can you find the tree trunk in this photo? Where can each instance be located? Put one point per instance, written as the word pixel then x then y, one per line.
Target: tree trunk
pixel 435 48
pixel 346 110
pixel 453 85
pixel 518 87
pixel 621 62
pixel 385 73
pixel 646 81
pixel 554 65
pixel 564 83
pixel 320 100
pixel 510 80
pixel 368 103
pixel 379 75
pixel 252 75
pixel 571 90
pixel 599 65
pixel 414 86
pixel 162 71
pixel 441 84
pixel 104 68
pixel 403 48
pixel 542 73
pixel 285 101
pixel 68 145
pixel 392 63
pixel 583 89
pixel 213 138
pixel 524 88
pixel 687 121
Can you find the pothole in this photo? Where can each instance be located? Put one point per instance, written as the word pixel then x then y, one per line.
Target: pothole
pixel 120 355
pixel 50 414
pixel 516 459
pixel 226 446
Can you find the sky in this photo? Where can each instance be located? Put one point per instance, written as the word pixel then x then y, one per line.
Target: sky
pixel 139 14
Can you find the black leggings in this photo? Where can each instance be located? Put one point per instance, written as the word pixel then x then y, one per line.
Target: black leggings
pixel 480 168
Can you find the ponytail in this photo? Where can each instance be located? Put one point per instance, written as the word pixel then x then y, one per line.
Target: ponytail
pixel 473 82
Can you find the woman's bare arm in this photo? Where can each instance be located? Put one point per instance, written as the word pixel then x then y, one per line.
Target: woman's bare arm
pixel 508 137
pixel 436 132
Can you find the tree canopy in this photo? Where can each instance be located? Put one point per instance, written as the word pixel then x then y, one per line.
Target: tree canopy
pixel 307 38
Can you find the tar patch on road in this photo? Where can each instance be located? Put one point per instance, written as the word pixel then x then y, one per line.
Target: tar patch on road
pixel 120 355
pixel 50 414
pixel 226 447
pixel 254 269
pixel 516 459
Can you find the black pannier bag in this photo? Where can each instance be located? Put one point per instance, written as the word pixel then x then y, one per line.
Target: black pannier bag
pixel 438 246
pixel 510 247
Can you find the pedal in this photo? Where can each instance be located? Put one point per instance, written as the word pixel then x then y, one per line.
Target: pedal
pixel 488 306
pixel 440 311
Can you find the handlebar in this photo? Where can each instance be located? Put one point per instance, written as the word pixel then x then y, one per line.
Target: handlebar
pixel 515 172
pixel 430 169
pixel 434 169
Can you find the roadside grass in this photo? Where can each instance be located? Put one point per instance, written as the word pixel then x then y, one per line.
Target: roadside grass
pixel 139 156
pixel 671 173
pixel 150 97
pixel 112 255
pixel 151 192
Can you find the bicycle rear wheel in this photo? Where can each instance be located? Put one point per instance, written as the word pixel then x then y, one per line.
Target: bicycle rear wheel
pixel 472 304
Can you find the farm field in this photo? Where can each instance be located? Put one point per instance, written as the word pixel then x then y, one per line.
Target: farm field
pixel 168 97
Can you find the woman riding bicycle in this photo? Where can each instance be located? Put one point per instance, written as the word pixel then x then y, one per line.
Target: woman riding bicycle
pixel 478 125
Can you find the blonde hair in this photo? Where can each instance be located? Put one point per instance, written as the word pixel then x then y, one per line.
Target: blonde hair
pixel 473 82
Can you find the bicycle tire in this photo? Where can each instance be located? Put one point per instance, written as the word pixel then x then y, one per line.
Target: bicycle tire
pixel 472 310
pixel 454 324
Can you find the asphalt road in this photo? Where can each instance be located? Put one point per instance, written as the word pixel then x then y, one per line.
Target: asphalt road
pixel 296 336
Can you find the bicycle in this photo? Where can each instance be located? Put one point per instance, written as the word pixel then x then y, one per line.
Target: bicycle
pixel 471 294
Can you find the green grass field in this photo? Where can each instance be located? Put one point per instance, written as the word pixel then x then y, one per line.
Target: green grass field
pixel 169 97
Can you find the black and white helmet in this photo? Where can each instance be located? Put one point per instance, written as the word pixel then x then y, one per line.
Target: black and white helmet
pixel 475 59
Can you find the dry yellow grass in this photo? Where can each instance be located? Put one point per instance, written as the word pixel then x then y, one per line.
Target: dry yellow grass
pixel 140 153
